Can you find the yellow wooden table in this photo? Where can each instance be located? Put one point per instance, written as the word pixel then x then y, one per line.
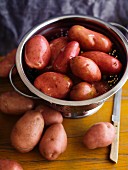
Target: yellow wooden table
pixel 76 156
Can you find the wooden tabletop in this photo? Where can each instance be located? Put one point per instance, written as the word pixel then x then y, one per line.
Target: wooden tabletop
pixel 76 156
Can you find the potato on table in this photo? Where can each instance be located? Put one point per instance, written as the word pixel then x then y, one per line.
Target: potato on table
pixel 13 103
pixel 82 91
pixel 89 40
pixel 99 135
pixel 108 64
pixel 53 84
pixel 6 63
pixel 85 68
pixel 53 142
pixel 50 115
pixel 37 52
pixel 6 164
pixel 27 132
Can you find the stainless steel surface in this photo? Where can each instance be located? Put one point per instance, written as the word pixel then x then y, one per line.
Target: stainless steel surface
pixel 82 113
pixel 116 106
pixel 120 27
pixel 16 88
pixel 56 27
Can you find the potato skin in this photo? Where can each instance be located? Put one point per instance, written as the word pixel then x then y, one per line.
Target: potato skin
pixel 7 63
pixel 54 84
pixel 27 132
pixel 37 52
pixel 50 115
pixel 85 68
pixel 101 87
pixel 108 64
pixel 56 45
pixel 6 164
pixel 83 91
pixel 54 142
pixel 99 135
pixel 89 40
pixel 61 64
pixel 13 103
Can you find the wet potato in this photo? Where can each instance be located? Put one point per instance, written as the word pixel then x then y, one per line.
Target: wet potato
pixel 56 46
pixel 85 68
pixel 89 40
pixel 54 84
pixel 37 52
pixel 108 64
pixel 83 91
pixel 61 64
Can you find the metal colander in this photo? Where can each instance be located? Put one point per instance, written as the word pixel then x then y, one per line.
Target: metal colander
pixel 57 27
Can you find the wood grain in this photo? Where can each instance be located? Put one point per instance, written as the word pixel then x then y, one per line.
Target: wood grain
pixel 76 157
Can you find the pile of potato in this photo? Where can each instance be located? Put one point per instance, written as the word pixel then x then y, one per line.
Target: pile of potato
pixel 77 64
pixel 29 129
pixel 72 67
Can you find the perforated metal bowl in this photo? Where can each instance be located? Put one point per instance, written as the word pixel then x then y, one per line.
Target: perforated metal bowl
pixel 57 27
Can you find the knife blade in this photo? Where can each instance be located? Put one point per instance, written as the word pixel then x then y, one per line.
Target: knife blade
pixel 116 123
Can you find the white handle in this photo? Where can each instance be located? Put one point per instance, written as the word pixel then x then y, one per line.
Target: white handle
pixel 115 144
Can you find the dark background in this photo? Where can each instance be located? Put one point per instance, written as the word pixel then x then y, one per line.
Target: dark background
pixel 18 16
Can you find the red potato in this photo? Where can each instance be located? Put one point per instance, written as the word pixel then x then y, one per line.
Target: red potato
pixel 101 87
pixel 82 91
pixel 6 164
pixel 56 45
pixel 50 115
pixel 61 64
pixel 13 103
pixel 6 63
pixel 54 142
pixel 53 84
pixel 85 68
pixel 99 135
pixel 89 40
pixel 74 78
pixel 27 132
pixel 108 64
pixel 37 52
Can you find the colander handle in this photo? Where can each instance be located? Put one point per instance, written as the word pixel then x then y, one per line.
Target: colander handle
pixel 121 27
pixel 16 89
